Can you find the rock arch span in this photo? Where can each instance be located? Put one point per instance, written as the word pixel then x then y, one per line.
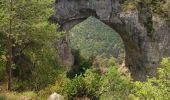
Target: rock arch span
pixel 144 48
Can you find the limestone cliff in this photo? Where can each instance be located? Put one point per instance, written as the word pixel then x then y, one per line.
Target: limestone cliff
pixel 146 35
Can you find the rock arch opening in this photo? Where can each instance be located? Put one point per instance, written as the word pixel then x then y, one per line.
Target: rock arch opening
pixel 142 50
pixel 94 38
pixel 97 43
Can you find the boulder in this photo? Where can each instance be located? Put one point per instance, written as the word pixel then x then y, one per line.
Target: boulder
pixel 55 96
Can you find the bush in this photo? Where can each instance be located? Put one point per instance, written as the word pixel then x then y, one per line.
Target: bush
pixel 44 72
pixel 104 62
pixel 85 85
pixel 91 85
pixel 94 86
pixel 114 86
pixel 42 77
pixel 80 64
pixel 154 88
pixel 58 87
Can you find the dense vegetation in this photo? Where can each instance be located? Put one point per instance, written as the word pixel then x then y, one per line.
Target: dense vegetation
pixel 28 59
pixel 93 38
pixel 27 41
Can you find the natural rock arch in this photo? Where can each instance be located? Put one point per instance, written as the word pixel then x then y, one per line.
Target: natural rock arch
pixel 146 37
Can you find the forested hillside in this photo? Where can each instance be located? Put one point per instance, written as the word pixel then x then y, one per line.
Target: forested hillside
pixel 94 38
pixel 86 59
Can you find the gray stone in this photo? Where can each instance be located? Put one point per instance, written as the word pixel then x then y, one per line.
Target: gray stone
pixel 66 58
pixel 145 45
pixel 55 96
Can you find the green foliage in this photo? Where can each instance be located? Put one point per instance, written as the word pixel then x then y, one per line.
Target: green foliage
pixel 104 62
pixel 111 86
pixel 94 86
pixel 42 76
pixel 45 71
pixel 159 7
pixel 129 6
pixel 46 67
pixel 18 96
pixel 57 87
pixel 32 35
pixel 166 8
pixel 92 38
pixel 86 85
pixel 3 60
pixel 154 88
pixel 29 20
pixel 81 61
pixel 2 98
pixel 80 64
pixel 115 86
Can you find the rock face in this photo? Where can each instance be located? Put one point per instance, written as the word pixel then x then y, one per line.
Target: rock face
pixel 66 58
pixel 144 47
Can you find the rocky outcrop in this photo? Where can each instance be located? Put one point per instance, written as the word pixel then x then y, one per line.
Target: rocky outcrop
pixel 63 48
pixel 146 36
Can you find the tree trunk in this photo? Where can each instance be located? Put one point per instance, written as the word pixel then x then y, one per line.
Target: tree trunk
pixel 9 65
pixel 10 62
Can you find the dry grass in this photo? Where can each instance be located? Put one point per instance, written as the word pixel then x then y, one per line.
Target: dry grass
pixel 6 95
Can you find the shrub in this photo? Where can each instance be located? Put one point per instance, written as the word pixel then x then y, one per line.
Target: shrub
pixel 104 62
pixel 86 85
pixel 57 87
pixel 91 84
pixel 114 86
pixel 80 64
pixel 94 86
pixel 154 88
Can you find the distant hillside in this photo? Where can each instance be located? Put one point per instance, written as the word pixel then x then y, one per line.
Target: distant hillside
pixel 92 38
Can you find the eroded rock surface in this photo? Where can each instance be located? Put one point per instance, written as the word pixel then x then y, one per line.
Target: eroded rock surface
pixel 146 37
pixel 66 57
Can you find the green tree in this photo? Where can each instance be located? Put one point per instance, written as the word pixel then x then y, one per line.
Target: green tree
pixel 23 24
pixel 154 88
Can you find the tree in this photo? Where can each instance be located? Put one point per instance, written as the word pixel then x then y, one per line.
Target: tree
pixel 7 30
pixel 24 23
